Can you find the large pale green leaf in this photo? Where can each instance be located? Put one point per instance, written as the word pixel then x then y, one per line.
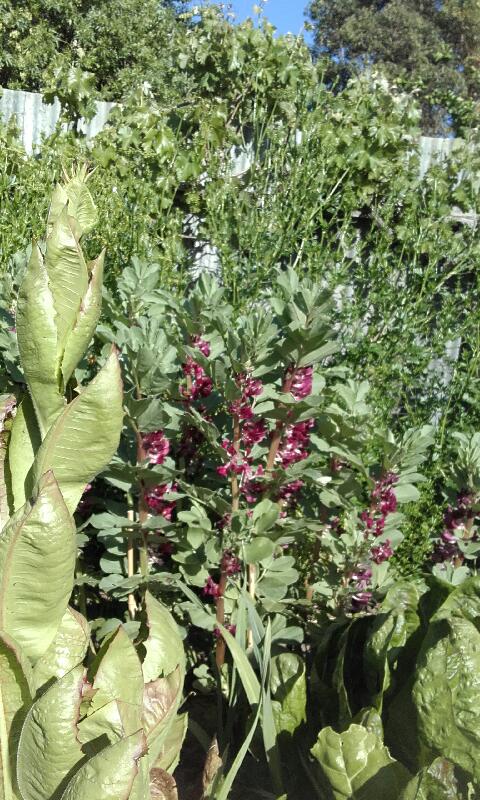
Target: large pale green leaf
pixel 86 322
pixel 110 774
pixel 37 341
pixel 67 275
pixel 66 650
pixel 446 692
pixel 37 562
pixel 161 699
pixel 80 206
pixel 108 724
pixel 48 748
pixel 85 436
pixel 15 698
pixel 163 646
pixel 169 755
pixel 25 440
pixel 117 672
pixel 7 405
pixel 436 782
pixel 289 691
pixel 357 766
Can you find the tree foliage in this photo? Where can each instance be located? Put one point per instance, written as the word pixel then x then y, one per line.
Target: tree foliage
pixel 429 47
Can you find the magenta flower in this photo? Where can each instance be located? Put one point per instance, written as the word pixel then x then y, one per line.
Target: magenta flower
pixel 155 502
pixel 295 443
pixel 361 600
pixel 156 446
pixel 211 589
pixel 253 431
pixel 382 552
pixel 289 491
pixel 230 628
pixel 200 344
pixel 302 382
pixel 231 563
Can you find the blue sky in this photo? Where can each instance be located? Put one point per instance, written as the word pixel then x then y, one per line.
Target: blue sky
pixel 286 15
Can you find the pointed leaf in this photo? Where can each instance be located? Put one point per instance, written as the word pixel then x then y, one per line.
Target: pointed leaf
pixel 15 697
pixel 81 207
pixel 48 749
pixel 37 341
pixel 164 646
pixel 66 651
pixel 86 322
pixel 24 442
pixel 117 672
pixel 245 670
pixel 37 562
pixel 67 275
pixel 110 774
pixel 85 436
pixel 289 691
pixel 161 699
pixel 7 405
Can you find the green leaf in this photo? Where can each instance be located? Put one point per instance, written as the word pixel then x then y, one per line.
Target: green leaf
pixel 15 698
pixel 48 748
pixel 78 200
pixel 258 549
pixel 7 404
pixel 265 515
pixel 168 755
pixel 85 436
pixel 289 691
pixel 37 342
pixel 436 782
pixel 446 692
pixel 406 493
pixel 109 774
pixel 245 670
pixel 67 277
pixel 117 672
pixel 37 562
pixel 66 651
pixel 84 327
pixel 24 442
pixel 163 647
pixel 357 766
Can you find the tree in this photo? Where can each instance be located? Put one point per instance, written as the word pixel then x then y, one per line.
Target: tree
pixel 122 42
pixel 427 46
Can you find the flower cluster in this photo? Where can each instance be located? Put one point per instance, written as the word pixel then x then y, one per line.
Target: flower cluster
pixel 295 443
pixel 455 519
pixel 198 384
pixel 383 503
pixel 301 382
pixel 154 498
pixel 156 446
pixel 250 388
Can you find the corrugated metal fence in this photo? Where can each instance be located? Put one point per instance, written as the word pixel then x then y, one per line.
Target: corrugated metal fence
pixel 36 119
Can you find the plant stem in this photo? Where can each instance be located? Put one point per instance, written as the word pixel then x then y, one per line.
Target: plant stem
pixel 132 606
pixel 280 426
pixel 220 604
pixel 142 508
pixel 234 476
